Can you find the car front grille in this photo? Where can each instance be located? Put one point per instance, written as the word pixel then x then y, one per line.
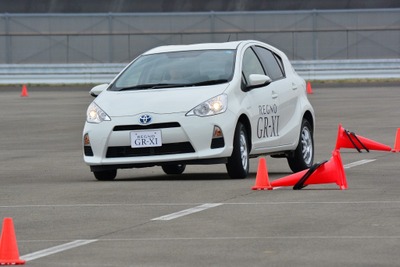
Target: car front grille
pixel 165 149
pixel 146 127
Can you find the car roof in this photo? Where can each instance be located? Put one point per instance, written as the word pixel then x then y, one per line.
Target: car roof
pixel 193 47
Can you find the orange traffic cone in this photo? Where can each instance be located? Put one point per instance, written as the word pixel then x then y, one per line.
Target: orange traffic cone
pixel 331 171
pixel 262 180
pixel 309 89
pixel 397 141
pixel 346 139
pixel 9 254
pixel 24 92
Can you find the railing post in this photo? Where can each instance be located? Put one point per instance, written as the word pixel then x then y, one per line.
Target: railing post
pixel 212 25
pixel 8 39
pixel 110 38
pixel 315 34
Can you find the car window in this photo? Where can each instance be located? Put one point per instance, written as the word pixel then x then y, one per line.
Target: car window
pixel 251 64
pixel 280 63
pixel 183 68
pixel 271 62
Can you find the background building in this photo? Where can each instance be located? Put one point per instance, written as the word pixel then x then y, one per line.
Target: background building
pixel 118 6
pixel 115 32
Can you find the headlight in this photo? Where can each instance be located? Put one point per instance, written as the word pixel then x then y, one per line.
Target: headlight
pixel 95 114
pixel 213 106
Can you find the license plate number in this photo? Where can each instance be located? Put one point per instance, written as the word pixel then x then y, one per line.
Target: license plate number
pixel 146 138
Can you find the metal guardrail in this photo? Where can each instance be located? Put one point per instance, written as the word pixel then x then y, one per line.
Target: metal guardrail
pixel 58 73
pixel 104 73
pixel 348 69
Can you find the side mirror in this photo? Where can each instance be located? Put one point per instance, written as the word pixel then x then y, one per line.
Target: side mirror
pixel 258 80
pixel 95 91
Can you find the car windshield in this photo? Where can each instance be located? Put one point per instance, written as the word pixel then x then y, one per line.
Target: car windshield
pixel 177 69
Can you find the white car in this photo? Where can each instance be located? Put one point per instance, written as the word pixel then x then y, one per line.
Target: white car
pixel 216 103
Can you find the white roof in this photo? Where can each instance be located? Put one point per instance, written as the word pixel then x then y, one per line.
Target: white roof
pixel 203 46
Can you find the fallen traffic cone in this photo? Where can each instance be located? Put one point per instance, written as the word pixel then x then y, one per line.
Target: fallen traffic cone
pixel 326 172
pixel 24 92
pixel 309 89
pixel 262 180
pixel 346 139
pixel 397 141
pixel 9 254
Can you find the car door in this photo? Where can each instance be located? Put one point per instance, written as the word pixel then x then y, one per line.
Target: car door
pixel 262 105
pixel 287 91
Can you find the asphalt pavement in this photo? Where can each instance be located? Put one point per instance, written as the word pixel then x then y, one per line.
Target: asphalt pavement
pixel 64 217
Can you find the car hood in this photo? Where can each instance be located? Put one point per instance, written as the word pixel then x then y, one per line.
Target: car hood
pixel 171 100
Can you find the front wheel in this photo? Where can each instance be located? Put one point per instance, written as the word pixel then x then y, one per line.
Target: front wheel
pixel 303 157
pixel 174 168
pixel 108 175
pixel 238 162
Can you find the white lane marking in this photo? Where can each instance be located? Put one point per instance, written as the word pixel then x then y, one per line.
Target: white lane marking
pixel 248 238
pixel 56 249
pixel 98 205
pixel 358 163
pixel 186 212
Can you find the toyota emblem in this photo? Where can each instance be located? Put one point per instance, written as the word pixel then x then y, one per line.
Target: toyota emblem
pixel 145 119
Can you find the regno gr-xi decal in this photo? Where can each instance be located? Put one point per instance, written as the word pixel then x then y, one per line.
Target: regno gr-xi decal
pixel 268 122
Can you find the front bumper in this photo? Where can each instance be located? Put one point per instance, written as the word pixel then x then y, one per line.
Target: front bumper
pixel 186 139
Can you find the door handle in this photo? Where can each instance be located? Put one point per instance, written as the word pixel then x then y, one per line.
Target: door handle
pixel 294 86
pixel 274 95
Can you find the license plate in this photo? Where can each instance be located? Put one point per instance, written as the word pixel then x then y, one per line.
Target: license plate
pixel 146 138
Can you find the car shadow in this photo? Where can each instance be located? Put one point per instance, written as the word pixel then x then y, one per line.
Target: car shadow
pixel 180 177
pixel 195 177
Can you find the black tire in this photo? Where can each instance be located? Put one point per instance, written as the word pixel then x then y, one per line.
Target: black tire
pixel 108 175
pixel 174 168
pixel 238 163
pixel 303 157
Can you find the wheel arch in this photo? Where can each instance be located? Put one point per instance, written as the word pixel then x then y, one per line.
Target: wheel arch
pixel 246 123
pixel 310 118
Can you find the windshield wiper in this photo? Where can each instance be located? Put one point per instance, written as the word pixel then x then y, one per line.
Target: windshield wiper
pixel 171 85
pixel 151 86
pixel 209 82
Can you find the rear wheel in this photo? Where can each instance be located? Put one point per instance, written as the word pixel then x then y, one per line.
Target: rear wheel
pixel 108 175
pixel 238 162
pixel 174 168
pixel 303 157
